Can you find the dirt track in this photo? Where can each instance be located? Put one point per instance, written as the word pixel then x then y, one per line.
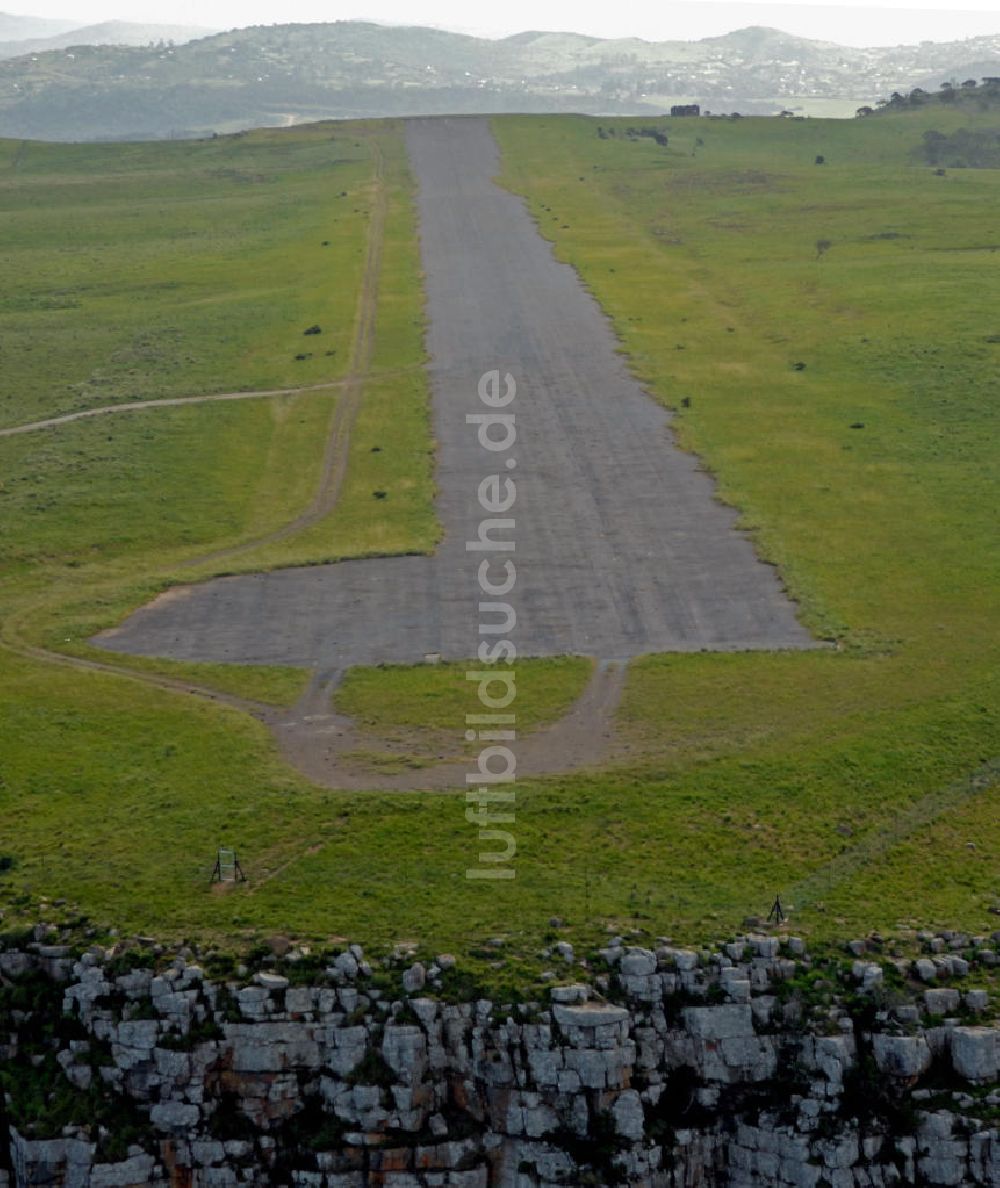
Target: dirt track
pixel 335 751
pixel 621 548
pixel 106 410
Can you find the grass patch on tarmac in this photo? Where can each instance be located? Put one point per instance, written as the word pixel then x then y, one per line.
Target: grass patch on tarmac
pixel 438 696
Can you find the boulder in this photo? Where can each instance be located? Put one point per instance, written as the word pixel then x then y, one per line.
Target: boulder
pixel 926 969
pixel 901 1055
pixel 568 995
pixel 975 1054
pixel 589 1015
pixel 942 1000
pixel 637 963
pixel 271 981
pixel 415 978
pixel 729 1021
pixel 627 1114
pixel 174 1117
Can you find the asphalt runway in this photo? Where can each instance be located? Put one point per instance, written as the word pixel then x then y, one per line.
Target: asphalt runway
pixel 620 546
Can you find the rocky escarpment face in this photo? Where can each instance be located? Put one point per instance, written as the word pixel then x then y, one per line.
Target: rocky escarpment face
pixel 728 1069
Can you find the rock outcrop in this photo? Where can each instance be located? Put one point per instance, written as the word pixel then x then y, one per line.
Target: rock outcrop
pixel 751 1066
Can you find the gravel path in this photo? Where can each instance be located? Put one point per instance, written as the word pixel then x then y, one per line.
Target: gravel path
pixel 621 548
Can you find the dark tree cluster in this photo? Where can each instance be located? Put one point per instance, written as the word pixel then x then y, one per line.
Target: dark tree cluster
pixel 963 149
pixel 656 134
pixel 983 94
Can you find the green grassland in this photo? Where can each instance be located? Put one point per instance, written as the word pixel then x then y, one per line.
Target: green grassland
pixel 132 272
pixel 392 452
pixel 78 528
pixel 436 697
pixel 832 330
pixel 416 713
pixel 840 777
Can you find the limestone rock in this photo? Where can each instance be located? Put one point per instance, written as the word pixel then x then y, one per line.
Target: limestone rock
pixel 901 1055
pixel 975 1053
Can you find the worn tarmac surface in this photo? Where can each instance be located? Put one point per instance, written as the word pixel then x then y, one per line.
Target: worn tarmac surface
pixel 620 546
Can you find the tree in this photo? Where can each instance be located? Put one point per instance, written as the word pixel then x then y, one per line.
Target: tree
pixel 934 145
pixel 822 247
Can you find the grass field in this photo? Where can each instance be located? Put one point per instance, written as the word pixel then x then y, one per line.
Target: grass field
pixel 785 301
pixel 78 498
pixel 435 697
pixel 827 336
pixel 135 272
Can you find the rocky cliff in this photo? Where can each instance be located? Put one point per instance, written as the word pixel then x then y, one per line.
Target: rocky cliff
pixel 755 1064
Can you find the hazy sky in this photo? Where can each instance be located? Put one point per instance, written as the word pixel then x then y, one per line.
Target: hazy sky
pixel 853 23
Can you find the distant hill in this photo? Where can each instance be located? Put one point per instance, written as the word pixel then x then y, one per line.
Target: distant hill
pixel 283 73
pixel 969 71
pixel 108 33
pixel 20 28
